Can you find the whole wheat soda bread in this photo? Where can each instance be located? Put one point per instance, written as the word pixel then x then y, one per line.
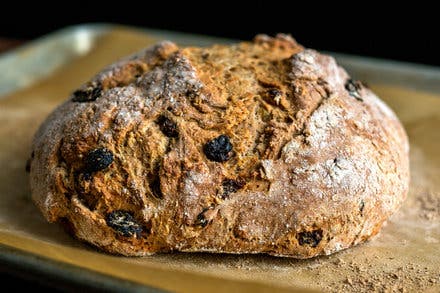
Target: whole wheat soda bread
pixel 258 147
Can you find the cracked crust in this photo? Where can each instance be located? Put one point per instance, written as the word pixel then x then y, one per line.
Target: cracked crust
pixel 316 166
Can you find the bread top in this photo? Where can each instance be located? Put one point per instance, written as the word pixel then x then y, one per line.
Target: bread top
pixel 251 140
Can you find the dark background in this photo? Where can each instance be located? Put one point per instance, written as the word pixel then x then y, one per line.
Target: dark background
pixel 408 33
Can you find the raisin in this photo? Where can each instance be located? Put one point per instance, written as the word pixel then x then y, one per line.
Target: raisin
pixel 230 186
pixel 310 238
pixel 275 95
pixel 201 220
pixel 205 55
pixel 124 223
pixel 167 126
pixel 86 176
pixel 98 159
pixel 88 94
pixel 361 207
pixel 155 188
pixel 219 149
pixel 353 87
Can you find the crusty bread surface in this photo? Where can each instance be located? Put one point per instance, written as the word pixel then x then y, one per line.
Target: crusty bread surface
pixel 258 147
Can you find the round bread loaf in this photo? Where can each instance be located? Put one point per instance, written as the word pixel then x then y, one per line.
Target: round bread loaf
pixel 259 147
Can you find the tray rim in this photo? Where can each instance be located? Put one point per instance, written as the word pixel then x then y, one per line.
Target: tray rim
pixel 31 266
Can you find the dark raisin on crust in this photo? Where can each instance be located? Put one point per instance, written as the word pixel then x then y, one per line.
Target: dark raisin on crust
pixel 98 159
pixel 88 94
pixel 205 55
pixel 201 220
pixel 86 176
pixel 124 223
pixel 353 87
pixel 274 95
pixel 167 126
pixel 219 149
pixel 311 238
pixel 155 188
pixel 361 206
pixel 230 186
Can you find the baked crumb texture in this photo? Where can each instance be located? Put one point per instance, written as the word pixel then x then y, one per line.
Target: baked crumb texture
pixel 259 147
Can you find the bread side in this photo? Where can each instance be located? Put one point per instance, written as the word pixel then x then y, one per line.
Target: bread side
pixel 262 147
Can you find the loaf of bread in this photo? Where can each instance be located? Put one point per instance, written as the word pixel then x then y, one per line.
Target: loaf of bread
pixel 258 147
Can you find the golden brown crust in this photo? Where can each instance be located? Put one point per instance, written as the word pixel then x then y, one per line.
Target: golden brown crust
pixel 318 162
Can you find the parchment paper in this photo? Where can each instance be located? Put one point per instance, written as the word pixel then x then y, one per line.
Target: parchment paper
pixel 404 257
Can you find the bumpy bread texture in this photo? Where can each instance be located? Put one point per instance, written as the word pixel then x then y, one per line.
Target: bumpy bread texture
pixel 318 162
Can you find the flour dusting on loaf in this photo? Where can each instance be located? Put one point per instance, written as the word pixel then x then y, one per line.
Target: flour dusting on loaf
pixel 258 147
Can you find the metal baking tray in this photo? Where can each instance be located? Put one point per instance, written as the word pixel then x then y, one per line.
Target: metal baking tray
pixel 51 65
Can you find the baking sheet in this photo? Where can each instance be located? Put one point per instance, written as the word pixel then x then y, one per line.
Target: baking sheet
pixel 405 255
